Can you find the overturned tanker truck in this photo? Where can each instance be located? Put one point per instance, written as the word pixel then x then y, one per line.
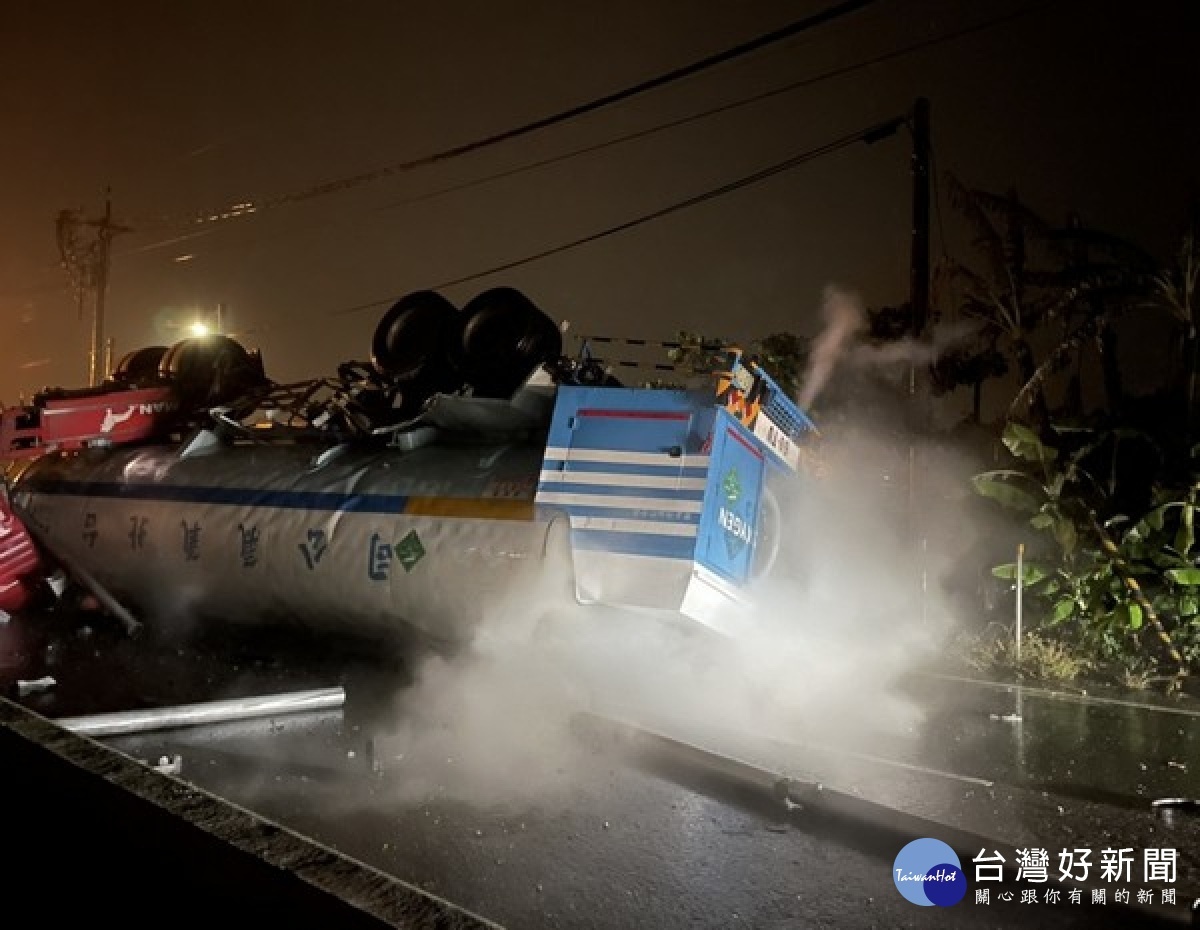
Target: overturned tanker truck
pixel 469 457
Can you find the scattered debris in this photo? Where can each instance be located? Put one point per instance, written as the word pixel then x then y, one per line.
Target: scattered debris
pixel 1006 718
pixel 373 761
pixel 36 686
pixel 1177 765
pixel 1172 811
pixel 57 582
pixel 1191 805
pixel 169 766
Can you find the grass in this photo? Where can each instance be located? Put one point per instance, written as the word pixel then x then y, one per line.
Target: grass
pixel 1042 658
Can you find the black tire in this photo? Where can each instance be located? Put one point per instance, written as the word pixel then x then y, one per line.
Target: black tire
pixel 412 339
pixel 139 367
pixel 209 370
pixel 505 337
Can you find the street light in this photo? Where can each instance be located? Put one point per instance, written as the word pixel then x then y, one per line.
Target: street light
pixel 199 328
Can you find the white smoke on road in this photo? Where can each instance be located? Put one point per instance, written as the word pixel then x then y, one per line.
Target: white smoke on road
pixel 853 604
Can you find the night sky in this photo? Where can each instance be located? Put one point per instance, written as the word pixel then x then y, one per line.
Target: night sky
pixel 186 107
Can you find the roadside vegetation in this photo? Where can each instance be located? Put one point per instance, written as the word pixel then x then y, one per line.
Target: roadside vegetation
pixel 1100 479
pixel 1109 491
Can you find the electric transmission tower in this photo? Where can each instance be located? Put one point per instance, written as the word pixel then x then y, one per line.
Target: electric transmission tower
pixel 85 248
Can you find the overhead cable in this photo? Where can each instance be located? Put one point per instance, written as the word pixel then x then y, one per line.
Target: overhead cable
pixel 876 131
pixel 658 127
pixel 246 207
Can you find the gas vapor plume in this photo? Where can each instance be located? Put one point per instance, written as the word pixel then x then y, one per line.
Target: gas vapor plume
pixel 843 318
pixel 943 337
pixel 850 606
pixel 839 344
pixel 839 622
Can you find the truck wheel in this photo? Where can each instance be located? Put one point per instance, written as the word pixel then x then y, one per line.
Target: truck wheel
pixel 139 367
pixel 413 337
pixel 505 337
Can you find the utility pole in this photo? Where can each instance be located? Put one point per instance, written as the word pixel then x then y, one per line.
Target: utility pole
pixel 918 299
pixel 919 306
pixel 104 235
pixel 919 270
pixel 87 263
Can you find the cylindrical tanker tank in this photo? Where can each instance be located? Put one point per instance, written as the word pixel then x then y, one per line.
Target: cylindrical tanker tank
pixel 434 537
pixel 641 499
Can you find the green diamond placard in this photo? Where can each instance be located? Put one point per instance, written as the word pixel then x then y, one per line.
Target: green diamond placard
pixel 409 551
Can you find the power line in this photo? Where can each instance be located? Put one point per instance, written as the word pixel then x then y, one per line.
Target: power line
pixel 820 18
pixel 877 131
pixel 723 108
pixel 246 207
pixel 31 291
pixel 662 127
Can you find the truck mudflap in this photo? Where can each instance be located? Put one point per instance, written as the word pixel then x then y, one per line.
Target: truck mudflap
pixel 667 492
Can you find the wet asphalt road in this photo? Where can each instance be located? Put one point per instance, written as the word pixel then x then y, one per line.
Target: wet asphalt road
pixel 621 835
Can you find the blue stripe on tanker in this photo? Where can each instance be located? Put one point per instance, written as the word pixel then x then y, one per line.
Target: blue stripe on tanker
pixel 645 543
pixel 323 500
pixel 237 497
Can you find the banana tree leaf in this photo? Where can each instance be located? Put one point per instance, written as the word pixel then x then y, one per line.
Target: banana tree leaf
pixel 1024 443
pixel 1004 493
pixel 1031 572
pixel 1185 576
pixel 1066 534
pixel 1185 536
pixel 1063 610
